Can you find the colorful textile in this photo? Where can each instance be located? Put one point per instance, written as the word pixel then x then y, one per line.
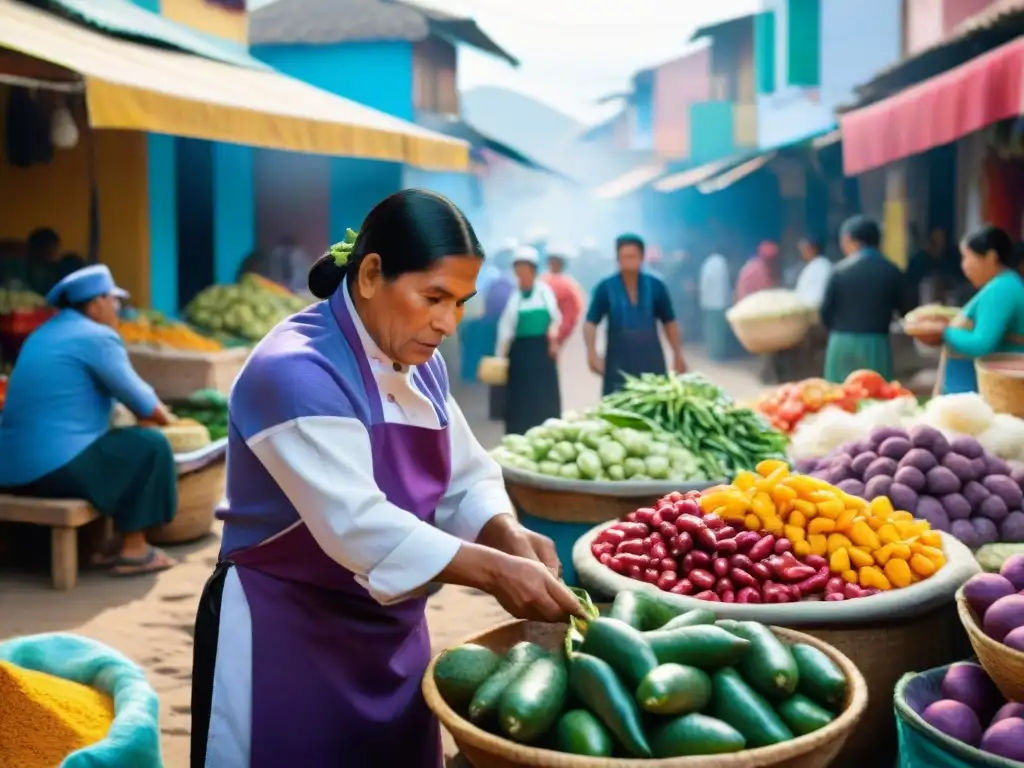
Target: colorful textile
pixel 527 314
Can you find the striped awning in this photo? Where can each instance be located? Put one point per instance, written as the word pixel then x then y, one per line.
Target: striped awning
pixel 136 87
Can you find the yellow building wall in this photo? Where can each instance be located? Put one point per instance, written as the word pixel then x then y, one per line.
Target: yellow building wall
pixel 207 17
pixel 57 196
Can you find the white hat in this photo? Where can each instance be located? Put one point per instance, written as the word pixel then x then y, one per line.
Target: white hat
pixel 528 254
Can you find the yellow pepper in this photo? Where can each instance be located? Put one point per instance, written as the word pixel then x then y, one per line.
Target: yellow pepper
pixel 871 577
pixel 898 573
pixel 840 561
pixel 821 525
pixel 861 533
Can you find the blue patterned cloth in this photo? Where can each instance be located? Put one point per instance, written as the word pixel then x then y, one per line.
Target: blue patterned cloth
pixel 134 736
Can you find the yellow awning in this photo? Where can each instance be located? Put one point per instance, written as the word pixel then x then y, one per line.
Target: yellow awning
pixel 135 87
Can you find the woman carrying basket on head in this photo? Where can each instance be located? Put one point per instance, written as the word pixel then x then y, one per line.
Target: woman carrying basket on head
pixel 354 482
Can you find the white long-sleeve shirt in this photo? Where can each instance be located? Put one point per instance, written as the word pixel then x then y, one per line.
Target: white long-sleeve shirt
pixel 812 281
pixel 540 298
pixel 324 465
pixel 715 291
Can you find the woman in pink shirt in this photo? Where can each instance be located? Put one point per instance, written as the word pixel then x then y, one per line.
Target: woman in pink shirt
pixel 568 293
pixel 759 273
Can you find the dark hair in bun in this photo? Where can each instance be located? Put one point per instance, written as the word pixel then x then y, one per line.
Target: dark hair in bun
pixel 410 230
pixel 989 238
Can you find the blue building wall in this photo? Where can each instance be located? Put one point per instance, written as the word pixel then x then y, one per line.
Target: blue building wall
pixel 163 224
pixel 376 74
pixel 234 205
pixel 858 38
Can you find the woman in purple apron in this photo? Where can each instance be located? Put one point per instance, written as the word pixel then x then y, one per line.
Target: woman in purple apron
pixel 354 482
pixel 634 303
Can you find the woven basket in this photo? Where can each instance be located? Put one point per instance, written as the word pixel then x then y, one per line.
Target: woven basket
pixel 766 335
pixel 175 375
pixel 1003 664
pixel 199 493
pixel 1002 390
pixel 486 750
pixel 493 371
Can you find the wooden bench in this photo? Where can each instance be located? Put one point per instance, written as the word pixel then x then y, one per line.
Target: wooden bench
pixel 64 517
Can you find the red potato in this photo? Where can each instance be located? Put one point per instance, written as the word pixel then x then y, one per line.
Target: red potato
pixel 668 564
pixel 793 574
pixel 728 597
pixel 651 575
pixel 814 583
pixel 763 548
pixel 835 584
pixel 682 587
pixel 611 535
pixel 713 521
pixel 631 547
pixel 742 562
pixel 783 545
pixel 834 597
pixel 687 564
pixel 682 544
pixel 606 559
pixel 726 532
pixel 701 579
pixel 701 559
pixel 630 518
pixel 815 561
pixel 720 566
pixel 702 535
pixel 761 571
pixel 601 547
pixel 631 559
pixel 668 513
pixel 742 579
pixel 667 580
pixel 746 539
pixel 668 531
pixel 724 585
pixel 726 546
pixel 656 519
pixel 658 550
pixel 616 564
pixel 674 496
pixel 852 591
pixel 748 595
pixel 634 572
pixel 644 515
pixel 688 507
pixel 708 595
pixel 634 530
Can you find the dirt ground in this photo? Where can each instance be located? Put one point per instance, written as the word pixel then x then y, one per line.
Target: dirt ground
pixel 150 618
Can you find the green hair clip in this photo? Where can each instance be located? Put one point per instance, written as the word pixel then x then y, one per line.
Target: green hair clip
pixel 341 251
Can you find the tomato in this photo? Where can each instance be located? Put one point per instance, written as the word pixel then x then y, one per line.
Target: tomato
pixel 872 381
pixel 791 412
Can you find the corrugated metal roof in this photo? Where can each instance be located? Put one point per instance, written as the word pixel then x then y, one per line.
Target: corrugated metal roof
pixel 999 23
pixel 322 22
pixel 127 21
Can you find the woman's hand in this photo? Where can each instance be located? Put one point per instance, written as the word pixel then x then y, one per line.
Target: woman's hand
pixel 553 347
pixel 595 363
pixel 528 590
pixel 505 534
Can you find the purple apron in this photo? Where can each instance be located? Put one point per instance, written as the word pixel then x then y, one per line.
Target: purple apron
pixel 336 676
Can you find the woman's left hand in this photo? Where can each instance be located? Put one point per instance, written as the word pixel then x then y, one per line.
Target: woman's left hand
pixel 505 534
pixel 553 347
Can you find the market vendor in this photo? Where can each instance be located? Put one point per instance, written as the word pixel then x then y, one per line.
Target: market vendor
pixel 634 302
pixel 56 439
pixel 528 338
pixel 862 297
pixel 355 482
pixel 992 321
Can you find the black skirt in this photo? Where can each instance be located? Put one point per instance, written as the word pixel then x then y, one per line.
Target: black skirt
pixel 532 393
pixel 127 475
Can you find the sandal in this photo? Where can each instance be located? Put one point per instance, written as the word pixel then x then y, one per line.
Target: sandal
pixel 154 561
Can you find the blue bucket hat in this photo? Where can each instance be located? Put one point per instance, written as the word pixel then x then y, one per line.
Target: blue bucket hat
pixel 85 284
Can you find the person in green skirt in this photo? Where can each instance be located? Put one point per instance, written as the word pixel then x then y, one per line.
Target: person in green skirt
pixel 864 294
pixel 992 321
pixel 56 439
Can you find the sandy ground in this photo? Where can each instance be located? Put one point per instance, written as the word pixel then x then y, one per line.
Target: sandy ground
pixel 150 618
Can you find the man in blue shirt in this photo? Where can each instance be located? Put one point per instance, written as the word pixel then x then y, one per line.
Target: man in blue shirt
pixel 55 435
pixel 634 303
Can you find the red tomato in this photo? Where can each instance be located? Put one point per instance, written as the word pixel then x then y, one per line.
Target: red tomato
pixel 872 381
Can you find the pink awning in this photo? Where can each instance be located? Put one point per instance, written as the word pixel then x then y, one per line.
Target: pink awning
pixel 942 109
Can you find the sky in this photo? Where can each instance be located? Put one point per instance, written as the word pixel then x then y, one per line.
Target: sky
pixel 572 52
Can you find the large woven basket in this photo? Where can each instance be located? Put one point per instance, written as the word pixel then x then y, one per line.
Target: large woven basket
pixel 1002 389
pixel 1003 664
pixel 486 750
pixel 175 374
pixel 766 335
pixel 199 493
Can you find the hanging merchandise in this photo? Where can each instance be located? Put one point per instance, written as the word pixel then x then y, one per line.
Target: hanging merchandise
pixel 63 131
pixel 27 130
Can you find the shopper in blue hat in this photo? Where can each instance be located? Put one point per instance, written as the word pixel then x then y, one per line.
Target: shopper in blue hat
pixel 56 439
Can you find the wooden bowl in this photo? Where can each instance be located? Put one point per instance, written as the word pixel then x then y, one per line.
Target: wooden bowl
pixel 486 750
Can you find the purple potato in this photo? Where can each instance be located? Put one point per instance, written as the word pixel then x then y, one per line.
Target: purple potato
pixel 912 477
pixel 1012 570
pixel 1015 639
pixel 977 469
pixel 1010 709
pixel 955 719
pixel 836 474
pixel 806 466
pixel 880 466
pixel 894 448
pixel 920 458
pixel 1017 471
pixel 855 449
pixel 994 508
pixel 959 466
pixel 1007 490
pixel 842 460
pixel 983 589
pixel 861 462
pixel 967 446
pixel 852 486
pixel 1003 616
pixel 929 438
pixel 940 481
pixel 880 434
pixel 995 466
pixel 1005 739
pixel 975 493
pixel 956 506
pixel 1011 530
pixel 903 497
pixel 967 683
pixel 987 530
pixel 965 531
pixel 877 486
